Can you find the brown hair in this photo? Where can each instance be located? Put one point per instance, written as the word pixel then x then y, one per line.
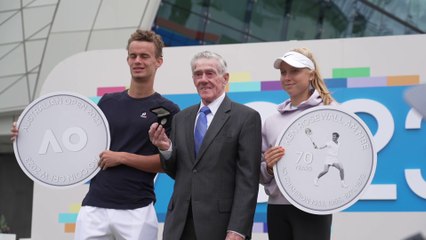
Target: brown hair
pixel 148 36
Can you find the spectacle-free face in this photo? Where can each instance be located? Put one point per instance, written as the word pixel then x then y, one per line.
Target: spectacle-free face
pixel 335 137
pixel 142 60
pixel 296 82
pixel 208 80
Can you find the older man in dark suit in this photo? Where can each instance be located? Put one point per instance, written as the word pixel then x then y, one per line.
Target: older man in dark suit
pixel 214 157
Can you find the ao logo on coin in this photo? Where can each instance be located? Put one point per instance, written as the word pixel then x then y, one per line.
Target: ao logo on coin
pixel 60 138
pixel 329 160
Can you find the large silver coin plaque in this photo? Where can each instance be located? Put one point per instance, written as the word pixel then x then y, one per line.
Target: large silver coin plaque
pixel 329 160
pixel 60 138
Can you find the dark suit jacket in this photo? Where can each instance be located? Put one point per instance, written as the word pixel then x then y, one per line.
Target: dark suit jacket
pixel 222 182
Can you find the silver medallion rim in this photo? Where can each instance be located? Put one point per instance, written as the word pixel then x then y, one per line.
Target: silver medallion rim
pixel 40 99
pixel 367 183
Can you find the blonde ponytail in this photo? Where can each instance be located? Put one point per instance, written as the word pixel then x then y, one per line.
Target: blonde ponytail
pixel 318 82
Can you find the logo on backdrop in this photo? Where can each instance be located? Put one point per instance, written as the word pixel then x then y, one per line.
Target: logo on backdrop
pixel 329 161
pixel 60 137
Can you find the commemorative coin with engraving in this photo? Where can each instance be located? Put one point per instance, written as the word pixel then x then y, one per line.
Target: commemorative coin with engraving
pixel 329 160
pixel 61 135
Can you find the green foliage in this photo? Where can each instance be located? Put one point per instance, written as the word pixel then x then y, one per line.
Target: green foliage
pixel 4 228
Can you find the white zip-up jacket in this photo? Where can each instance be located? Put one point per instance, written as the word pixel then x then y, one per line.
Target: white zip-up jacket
pixel 273 126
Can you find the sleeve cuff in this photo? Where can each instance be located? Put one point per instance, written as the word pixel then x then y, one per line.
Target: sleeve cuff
pixel 167 153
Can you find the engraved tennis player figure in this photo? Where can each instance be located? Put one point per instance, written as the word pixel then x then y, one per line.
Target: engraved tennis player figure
pixel 331 159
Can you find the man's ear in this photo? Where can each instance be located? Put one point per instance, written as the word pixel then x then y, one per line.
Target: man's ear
pixel 159 62
pixel 226 78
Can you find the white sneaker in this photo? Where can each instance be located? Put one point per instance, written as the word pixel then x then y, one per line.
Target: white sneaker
pixel 343 184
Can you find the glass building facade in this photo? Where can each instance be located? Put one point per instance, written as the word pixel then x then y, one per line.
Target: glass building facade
pixel 202 22
pixel 37 35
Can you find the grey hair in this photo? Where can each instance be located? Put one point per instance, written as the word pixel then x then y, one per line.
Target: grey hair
pixel 222 66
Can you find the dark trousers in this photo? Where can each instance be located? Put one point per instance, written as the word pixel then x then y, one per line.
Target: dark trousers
pixel 189 230
pixel 286 222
